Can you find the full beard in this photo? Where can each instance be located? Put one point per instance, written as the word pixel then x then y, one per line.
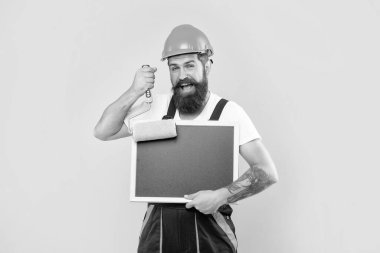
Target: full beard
pixel 193 102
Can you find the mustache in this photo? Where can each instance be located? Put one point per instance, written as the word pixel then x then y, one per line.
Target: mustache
pixel 185 80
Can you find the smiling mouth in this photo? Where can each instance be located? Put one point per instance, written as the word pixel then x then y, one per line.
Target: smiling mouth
pixel 186 86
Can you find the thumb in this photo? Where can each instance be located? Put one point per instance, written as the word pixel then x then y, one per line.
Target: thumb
pixel 191 196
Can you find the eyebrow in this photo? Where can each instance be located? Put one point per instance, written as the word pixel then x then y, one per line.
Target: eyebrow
pixel 174 64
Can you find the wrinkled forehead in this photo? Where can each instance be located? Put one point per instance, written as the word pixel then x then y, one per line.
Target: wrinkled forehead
pixel 182 59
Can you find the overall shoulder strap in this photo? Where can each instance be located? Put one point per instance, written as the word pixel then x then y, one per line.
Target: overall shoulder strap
pixel 214 116
pixel 171 110
pixel 218 109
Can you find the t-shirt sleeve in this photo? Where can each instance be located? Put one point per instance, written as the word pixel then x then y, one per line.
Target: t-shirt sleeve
pixel 247 130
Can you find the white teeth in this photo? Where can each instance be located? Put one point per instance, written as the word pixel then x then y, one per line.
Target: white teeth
pixel 187 88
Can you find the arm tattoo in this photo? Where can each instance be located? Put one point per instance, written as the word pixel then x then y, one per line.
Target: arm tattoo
pixel 251 182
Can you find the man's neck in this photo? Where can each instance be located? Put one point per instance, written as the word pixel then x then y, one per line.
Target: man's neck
pixel 191 116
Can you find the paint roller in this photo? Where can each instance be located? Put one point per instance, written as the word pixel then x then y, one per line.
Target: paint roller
pixel 151 130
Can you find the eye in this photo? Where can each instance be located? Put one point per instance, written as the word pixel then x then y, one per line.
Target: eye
pixel 189 66
pixel 173 68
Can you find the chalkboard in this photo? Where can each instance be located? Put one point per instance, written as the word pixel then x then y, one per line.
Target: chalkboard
pixel 203 156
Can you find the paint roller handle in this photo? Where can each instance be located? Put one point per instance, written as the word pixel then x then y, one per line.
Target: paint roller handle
pixel 148 94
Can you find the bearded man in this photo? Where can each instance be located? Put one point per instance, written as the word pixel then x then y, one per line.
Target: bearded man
pixel 204 224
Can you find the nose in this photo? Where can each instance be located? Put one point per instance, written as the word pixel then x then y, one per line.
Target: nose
pixel 182 74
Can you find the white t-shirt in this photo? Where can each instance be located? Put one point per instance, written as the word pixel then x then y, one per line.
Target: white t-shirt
pixel 232 113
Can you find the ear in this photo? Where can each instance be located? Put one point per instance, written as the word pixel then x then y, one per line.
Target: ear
pixel 208 66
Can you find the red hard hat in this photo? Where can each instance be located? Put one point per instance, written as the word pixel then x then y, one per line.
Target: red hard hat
pixel 185 39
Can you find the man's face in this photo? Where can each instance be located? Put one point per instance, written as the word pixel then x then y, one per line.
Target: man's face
pixel 189 81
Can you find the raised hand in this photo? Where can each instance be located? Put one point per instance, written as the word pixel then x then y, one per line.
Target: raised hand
pixel 144 80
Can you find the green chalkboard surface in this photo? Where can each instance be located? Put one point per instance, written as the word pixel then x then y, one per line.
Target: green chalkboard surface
pixel 203 156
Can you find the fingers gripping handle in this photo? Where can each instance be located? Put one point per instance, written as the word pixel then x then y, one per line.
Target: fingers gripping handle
pixel 140 110
pixel 148 94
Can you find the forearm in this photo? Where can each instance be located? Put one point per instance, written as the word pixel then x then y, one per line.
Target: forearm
pixel 253 181
pixel 113 116
pixel 258 177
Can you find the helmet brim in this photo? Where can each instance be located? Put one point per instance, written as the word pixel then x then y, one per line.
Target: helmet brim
pixel 187 51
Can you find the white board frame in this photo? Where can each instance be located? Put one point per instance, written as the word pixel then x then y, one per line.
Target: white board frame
pixel 174 199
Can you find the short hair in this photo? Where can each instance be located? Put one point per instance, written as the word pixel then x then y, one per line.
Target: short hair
pixel 203 57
